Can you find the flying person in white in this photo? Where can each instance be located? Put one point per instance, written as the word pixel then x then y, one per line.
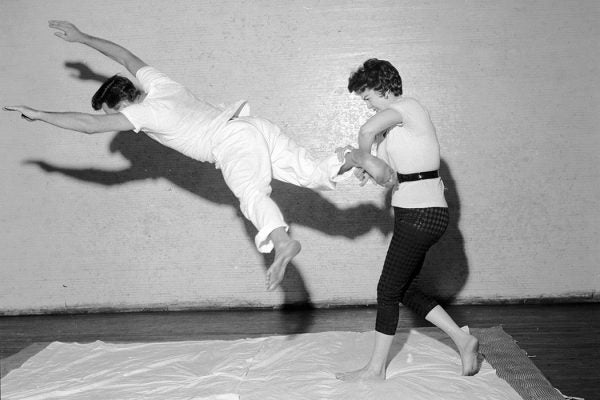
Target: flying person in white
pixel 250 151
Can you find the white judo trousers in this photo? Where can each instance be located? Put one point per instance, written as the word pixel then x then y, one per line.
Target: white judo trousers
pixel 251 152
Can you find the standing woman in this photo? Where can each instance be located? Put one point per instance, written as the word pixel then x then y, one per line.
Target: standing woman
pixel 408 158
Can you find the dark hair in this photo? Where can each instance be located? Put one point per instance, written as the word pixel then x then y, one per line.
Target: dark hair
pixel 113 91
pixel 379 75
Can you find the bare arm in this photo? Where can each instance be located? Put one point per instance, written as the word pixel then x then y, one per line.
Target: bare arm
pixel 377 123
pixel 69 32
pixel 377 169
pixel 76 121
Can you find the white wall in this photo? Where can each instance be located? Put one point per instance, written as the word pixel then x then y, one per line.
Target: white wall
pixel 123 223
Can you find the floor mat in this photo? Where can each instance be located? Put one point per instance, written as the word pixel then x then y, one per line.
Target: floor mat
pixel 424 366
pixel 513 365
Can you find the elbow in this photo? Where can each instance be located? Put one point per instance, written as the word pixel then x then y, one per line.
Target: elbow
pixel 385 177
pixel 92 124
pixel 381 179
pixel 89 129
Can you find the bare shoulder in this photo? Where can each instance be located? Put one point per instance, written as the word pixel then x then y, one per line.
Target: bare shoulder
pixel 409 102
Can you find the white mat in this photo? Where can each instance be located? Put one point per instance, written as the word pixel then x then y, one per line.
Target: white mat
pixel 276 367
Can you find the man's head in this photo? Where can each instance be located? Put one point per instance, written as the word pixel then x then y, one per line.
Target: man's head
pixel 114 94
pixel 379 75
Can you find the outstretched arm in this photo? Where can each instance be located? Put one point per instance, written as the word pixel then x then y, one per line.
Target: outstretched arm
pixel 69 32
pixel 76 121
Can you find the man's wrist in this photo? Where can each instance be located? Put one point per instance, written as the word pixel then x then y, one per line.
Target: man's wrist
pixel 84 38
pixel 37 115
pixel 350 158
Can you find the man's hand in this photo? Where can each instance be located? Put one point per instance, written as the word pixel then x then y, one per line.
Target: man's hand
pixel 76 121
pixel 341 153
pixel 27 113
pixel 67 31
pixel 348 154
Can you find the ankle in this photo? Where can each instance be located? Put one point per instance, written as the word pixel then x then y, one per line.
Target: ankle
pixel 280 237
pixel 376 368
pixel 287 245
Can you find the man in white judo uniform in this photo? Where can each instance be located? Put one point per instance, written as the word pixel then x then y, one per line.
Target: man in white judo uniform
pixel 250 151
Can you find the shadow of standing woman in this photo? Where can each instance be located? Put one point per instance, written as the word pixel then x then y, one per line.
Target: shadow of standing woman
pixel 446 267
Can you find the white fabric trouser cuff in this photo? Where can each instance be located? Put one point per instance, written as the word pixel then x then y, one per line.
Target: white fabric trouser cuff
pixel 263 242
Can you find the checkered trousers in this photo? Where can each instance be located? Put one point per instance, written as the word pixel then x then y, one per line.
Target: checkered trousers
pixel 415 231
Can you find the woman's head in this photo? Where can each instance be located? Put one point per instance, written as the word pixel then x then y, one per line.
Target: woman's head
pixel 379 75
pixel 114 92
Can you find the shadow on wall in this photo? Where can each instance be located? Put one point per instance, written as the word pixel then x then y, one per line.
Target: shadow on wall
pixel 151 160
pixel 443 275
pixel 446 267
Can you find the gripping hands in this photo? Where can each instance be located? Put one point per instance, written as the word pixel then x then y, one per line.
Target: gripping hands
pixel 348 154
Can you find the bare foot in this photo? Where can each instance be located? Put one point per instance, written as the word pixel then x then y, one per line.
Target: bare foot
pixel 363 374
pixel 283 255
pixel 469 356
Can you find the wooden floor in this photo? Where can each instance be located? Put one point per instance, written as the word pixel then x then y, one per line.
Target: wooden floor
pixel 562 339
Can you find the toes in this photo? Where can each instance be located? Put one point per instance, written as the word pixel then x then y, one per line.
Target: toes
pixel 276 271
pixel 274 277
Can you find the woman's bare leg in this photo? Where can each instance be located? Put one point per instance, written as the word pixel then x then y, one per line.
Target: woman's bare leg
pixel 376 367
pixel 467 344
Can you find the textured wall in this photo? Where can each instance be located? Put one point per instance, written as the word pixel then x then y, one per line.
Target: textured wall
pixel 116 221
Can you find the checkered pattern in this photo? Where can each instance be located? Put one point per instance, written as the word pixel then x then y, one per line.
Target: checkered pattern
pixel 415 231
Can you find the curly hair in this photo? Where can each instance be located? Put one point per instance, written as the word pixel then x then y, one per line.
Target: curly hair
pixel 113 91
pixel 379 75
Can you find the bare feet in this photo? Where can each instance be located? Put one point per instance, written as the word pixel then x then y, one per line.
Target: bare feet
pixel 283 255
pixel 469 355
pixel 366 373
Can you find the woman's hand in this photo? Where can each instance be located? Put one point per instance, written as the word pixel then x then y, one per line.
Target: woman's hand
pixel 362 176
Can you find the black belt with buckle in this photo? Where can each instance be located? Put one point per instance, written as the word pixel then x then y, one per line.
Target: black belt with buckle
pixel 417 176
